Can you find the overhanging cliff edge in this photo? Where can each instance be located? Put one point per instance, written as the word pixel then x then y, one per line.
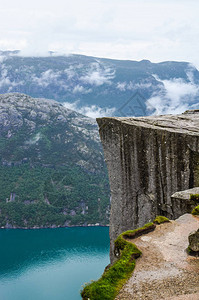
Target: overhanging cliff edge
pixel 148 160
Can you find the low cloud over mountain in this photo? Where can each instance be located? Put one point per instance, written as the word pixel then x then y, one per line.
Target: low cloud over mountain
pixel 175 95
pixel 103 87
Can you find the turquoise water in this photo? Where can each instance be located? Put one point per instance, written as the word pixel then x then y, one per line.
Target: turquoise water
pixel 50 264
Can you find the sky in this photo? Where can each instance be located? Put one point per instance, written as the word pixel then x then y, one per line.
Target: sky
pixel 158 30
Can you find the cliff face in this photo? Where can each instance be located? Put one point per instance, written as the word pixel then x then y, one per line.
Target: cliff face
pixel 148 159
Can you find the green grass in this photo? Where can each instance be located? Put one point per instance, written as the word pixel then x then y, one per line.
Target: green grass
pixel 115 276
pixel 109 284
pixel 160 220
pixel 112 280
pixel 131 234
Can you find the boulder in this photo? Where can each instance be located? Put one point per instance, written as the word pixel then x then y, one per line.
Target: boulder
pixel 194 241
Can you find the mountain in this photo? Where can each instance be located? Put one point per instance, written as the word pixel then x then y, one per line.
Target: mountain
pixel 52 171
pixel 122 87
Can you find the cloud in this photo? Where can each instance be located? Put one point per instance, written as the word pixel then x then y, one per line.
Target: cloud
pixel 34 140
pixel 2 58
pixel 92 111
pixel 64 79
pixel 69 79
pixel 46 78
pixel 6 81
pixel 98 74
pixel 79 89
pixel 51 77
pixel 70 72
pixel 175 96
pixel 123 86
pixel 128 29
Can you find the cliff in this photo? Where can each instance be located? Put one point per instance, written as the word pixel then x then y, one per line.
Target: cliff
pixel 148 160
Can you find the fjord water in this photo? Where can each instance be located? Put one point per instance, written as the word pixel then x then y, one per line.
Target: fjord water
pixel 51 264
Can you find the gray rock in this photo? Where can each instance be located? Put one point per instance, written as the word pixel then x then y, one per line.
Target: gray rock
pixel 194 241
pixel 182 203
pixel 148 160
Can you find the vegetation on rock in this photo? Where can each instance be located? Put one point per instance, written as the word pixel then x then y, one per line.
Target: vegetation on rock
pixel 195 211
pixel 195 198
pixel 115 276
pixel 160 220
pixel 120 242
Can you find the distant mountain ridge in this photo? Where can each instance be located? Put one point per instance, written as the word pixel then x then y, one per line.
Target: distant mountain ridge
pixel 52 171
pixel 87 81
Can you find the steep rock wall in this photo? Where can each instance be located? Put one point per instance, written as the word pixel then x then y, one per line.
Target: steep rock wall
pixel 148 159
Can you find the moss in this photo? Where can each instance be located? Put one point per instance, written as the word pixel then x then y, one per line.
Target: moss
pixel 115 276
pixel 160 220
pixel 188 250
pixel 132 234
pixel 191 252
pixel 110 283
pixel 195 211
pixel 194 198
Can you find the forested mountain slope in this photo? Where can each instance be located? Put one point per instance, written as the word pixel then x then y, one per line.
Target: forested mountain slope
pixel 52 170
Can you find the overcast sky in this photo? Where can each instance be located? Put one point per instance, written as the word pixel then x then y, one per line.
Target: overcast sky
pixel 157 30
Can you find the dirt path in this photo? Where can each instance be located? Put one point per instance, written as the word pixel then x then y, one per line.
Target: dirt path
pixel 165 271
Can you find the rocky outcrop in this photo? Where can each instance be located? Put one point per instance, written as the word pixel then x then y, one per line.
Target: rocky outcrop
pixel 182 201
pixel 194 241
pixel 148 159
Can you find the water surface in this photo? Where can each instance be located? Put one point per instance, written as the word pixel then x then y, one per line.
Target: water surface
pixel 51 264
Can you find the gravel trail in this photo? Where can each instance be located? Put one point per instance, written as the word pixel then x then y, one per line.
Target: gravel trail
pixel 165 271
